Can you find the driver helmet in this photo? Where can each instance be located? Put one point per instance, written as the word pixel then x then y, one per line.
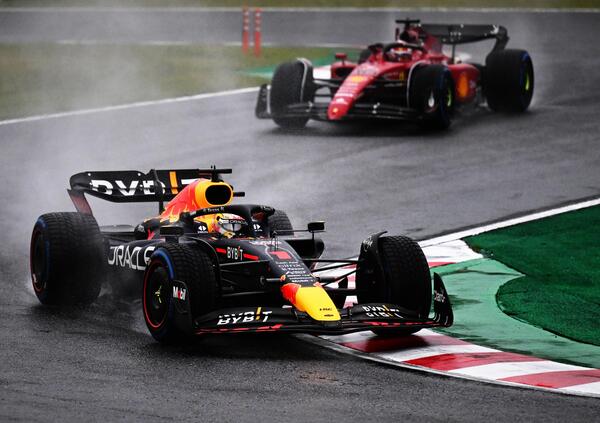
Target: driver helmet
pixel 402 53
pixel 229 225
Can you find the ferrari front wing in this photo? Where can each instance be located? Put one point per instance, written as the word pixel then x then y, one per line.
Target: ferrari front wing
pixel 318 110
pixel 353 319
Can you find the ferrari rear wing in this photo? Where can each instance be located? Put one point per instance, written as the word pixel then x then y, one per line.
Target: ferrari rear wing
pixel 131 186
pixel 466 33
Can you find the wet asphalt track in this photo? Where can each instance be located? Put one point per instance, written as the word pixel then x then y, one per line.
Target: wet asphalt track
pixel 100 364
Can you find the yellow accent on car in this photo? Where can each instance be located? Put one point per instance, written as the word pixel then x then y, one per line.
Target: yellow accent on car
pixel 203 186
pixel 315 301
pixel 357 78
pixel 173 179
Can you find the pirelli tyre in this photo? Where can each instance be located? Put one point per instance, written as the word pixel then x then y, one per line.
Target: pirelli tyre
pixel 406 280
pixel 177 275
pixel 431 93
pixel 279 222
pixel 508 80
pixel 292 83
pixel 67 259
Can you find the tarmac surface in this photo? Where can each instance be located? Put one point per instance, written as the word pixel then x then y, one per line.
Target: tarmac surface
pixel 100 363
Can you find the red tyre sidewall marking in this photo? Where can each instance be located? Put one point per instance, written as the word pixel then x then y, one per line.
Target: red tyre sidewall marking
pixel 153 264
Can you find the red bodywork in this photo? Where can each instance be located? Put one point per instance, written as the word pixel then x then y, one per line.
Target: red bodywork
pixel 396 66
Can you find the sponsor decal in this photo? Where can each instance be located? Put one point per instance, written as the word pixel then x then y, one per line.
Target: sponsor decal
pixel 438 297
pixel 367 70
pixel 107 187
pixel 382 311
pixel 179 293
pixel 357 78
pixel 215 210
pixel 202 227
pixel 267 242
pixel 296 272
pixel 244 317
pixel 235 253
pixel 134 258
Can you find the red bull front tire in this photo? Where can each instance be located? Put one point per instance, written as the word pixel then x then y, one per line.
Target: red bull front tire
pixel 405 280
pixel 179 283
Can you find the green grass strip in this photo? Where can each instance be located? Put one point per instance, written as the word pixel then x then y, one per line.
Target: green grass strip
pixel 560 258
pixel 46 78
pixel 472 286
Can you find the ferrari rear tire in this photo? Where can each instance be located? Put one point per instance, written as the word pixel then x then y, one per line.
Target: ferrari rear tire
pixel 431 93
pixel 406 280
pixel 184 263
pixel 292 83
pixel 279 222
pixel 67 259
pixel 509 80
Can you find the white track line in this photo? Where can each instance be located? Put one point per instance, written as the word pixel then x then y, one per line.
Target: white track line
pixel 128 106
pixel 510 222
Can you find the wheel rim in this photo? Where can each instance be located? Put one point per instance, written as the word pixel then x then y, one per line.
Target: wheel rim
pixel 38 261
pixel 526 81
pixel 156 301
pixel 449 97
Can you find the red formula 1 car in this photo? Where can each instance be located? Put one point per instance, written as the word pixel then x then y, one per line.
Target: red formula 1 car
pixel 408 79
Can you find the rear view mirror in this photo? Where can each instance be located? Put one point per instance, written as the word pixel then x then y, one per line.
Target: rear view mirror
pixel 318 226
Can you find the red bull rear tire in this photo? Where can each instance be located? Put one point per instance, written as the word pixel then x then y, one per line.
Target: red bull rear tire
pixel 67 259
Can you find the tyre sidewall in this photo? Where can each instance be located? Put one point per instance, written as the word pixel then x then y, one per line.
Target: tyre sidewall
pixel 167 330
pixel 292 83
pixel 74 263
pixel 509 81
pixel 435 79
pixel 41 284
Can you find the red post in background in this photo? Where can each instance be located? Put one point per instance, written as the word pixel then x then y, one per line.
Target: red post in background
pixel 257 32
pixel 245 30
